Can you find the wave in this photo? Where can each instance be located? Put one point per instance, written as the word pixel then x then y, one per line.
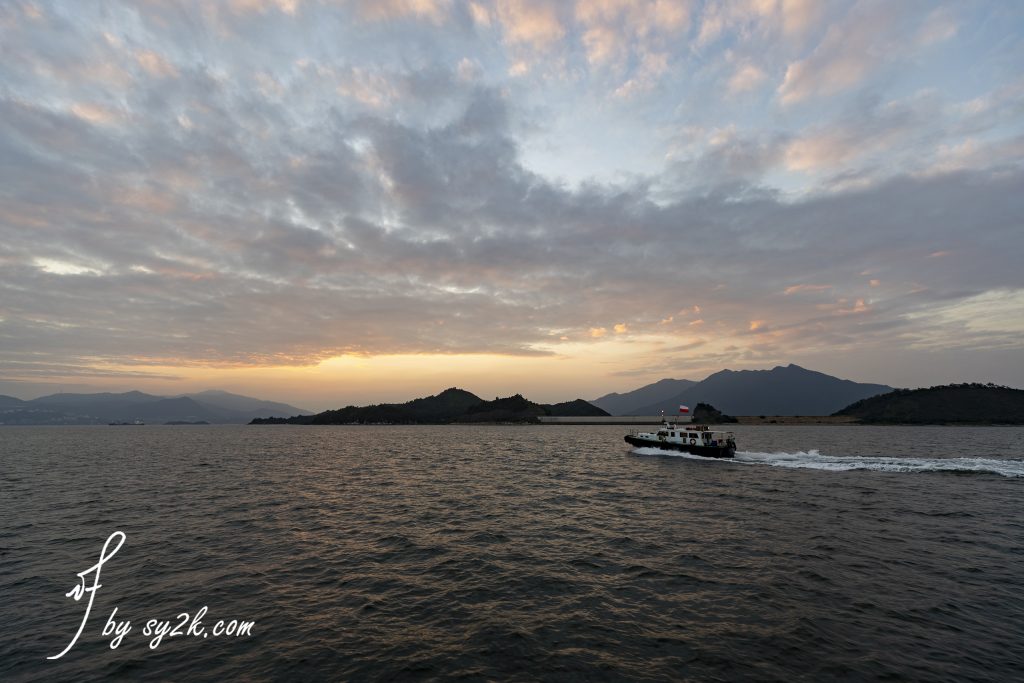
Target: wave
pixel 835 463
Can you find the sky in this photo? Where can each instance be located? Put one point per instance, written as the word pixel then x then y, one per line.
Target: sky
pixel 333 202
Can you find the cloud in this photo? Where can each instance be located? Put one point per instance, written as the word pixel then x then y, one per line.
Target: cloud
pixel 627 44
pixel 263 6
pixel 155 65
pixel 793 289
pixel 316 297
pixel 919 133
pixel 95 113
pixel 870 34
pixel 726 159
pixel 761 18
pixel 531 23
pixel 653 65
pixel 940 25
pixel 799 16
pixel 614 29
pixel 746 77
pixel 285 198
pixel 631 40
pixel 383 10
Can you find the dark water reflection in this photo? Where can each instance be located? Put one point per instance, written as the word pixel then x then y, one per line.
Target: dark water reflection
pixel 516 553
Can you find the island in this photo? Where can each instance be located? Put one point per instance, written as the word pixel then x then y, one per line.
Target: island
pixel 451 406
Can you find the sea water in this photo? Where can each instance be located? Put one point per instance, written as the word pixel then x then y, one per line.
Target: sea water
pixel 512 553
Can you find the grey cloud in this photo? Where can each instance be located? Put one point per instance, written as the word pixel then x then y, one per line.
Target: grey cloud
pixel 734 165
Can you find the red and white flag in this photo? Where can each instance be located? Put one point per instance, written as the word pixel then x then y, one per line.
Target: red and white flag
pixel 683 409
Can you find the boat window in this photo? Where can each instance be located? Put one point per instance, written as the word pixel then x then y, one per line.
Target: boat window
pixel 673 434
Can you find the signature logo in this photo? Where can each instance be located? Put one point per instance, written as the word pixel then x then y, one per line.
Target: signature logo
pixel 157 628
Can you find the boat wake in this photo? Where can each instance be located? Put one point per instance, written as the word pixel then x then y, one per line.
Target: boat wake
pixel 834 463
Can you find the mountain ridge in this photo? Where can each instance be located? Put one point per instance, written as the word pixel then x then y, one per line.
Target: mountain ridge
pixel 451 406
pixel 616 403
pixel 945 404
pixel 783 390
pixel 214 406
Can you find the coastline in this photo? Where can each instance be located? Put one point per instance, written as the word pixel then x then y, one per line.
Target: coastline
pixel 796 420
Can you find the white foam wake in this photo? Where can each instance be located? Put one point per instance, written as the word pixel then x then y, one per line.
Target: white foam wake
pixel 835 463
pixel 674 454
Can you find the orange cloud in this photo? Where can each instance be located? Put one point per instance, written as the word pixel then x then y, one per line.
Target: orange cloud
pixel 155 65
pixel 382 10
pixel 94 113
pixel 818 150
pixel 750 17
pixel 481 15
pixel 805 288
pixel 859 306
pixel 799 15
pixel 652 66
pixel 261 6
pixel 529 22
pixel 613 28
pixel 746 77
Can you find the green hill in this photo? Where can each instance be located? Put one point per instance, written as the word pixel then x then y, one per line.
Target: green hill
pixel 950 404
pixel 450 406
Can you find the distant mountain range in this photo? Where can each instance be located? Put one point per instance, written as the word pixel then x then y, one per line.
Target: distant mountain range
pixel 950 404
pixel 781 391
pixel 789 390
pixel 450 406
pixel 625 404
pixel 82 409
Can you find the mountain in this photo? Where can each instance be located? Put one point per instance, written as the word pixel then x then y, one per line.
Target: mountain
pixel 101 408
pixel 433 409
pixel 950 404
pixel 577 408
pixel 94 404
pixel 9 402
pixel 511 409
pixel 790 390
pixel 178 410
pixel 629 402
pixel 450 406
pixel 82 409
pixel 223 400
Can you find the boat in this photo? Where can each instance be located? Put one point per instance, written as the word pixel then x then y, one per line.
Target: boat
pixel 695 439
pixel 136 423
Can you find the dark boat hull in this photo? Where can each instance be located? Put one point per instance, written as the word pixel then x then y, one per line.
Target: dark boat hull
pixel 703 451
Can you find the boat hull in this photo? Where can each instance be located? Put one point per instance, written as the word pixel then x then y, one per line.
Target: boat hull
pixel 703 451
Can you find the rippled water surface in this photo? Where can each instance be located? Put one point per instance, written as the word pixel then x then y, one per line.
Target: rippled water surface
pixel 516 553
